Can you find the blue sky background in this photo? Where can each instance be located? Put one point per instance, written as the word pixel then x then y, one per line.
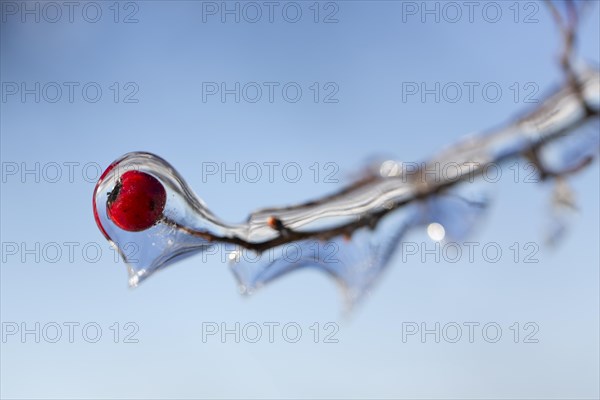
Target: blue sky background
pixel 369 53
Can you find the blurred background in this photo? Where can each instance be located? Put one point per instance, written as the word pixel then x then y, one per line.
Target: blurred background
pixel 84 83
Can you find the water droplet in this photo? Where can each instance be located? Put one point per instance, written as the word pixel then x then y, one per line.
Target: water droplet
pixel 436 231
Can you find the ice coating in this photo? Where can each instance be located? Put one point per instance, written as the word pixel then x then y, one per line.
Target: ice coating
pixel 363 223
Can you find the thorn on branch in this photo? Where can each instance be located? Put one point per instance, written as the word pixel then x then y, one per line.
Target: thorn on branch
pixel 563 195
pixel 533 156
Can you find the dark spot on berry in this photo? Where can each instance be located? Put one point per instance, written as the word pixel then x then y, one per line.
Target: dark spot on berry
pixel 113 194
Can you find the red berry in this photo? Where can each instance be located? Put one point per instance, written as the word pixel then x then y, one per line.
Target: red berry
pixel 136 202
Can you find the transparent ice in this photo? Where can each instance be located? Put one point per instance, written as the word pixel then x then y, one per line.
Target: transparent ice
pixel 380 209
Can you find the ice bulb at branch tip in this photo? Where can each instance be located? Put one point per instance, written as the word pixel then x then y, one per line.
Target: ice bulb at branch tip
pixel 150 215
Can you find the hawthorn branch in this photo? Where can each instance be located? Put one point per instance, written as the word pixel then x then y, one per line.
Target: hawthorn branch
pixel 367 201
